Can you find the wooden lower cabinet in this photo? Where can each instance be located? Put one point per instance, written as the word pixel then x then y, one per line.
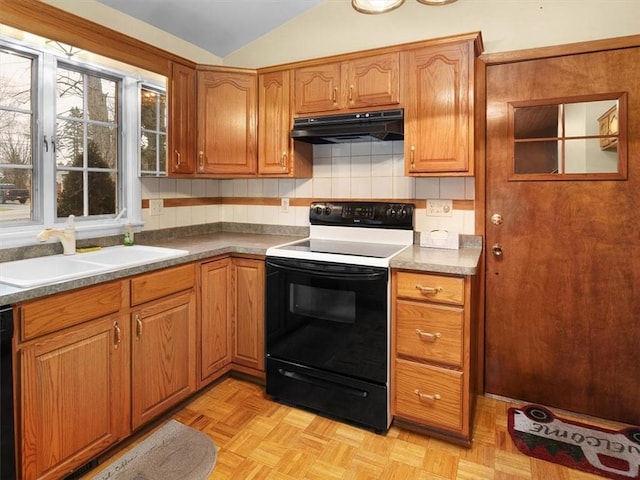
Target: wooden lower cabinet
pixel 248 314
pixel 163 356
pixel 232 317
pixel 73 383
pixel 432 350
pixel 215 320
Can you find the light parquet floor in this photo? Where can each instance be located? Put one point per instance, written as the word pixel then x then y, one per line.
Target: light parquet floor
pixel 263 440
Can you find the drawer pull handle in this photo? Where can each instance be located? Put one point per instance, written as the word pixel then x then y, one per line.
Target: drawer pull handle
pixel 116 337
pixel 430 399
pixel 138 327
pixel 428 337
pixel 429 290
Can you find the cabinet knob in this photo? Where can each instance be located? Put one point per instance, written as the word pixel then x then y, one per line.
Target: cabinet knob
pixel 138 327
pixel 283 161
pixel 412 156
pixel 178 161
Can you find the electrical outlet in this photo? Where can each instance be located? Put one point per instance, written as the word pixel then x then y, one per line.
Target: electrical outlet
pixel 439 208
pixel 155 207
pixel 284 205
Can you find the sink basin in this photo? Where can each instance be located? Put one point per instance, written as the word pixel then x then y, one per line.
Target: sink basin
pixel 121 256
pixel 39 271
pixel 43 270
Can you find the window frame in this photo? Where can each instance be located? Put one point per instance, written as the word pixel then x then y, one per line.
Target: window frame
pixel 44 199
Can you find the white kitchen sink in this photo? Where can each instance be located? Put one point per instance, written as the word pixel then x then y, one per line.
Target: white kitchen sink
pixel 39 271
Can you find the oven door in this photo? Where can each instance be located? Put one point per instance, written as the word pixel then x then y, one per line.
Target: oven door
pixel 328 316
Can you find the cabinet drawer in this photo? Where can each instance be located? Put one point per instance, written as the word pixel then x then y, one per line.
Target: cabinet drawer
pixel 42 316
pixel 162 283
pixel 429 395
pixel 435 288
pixel 430 332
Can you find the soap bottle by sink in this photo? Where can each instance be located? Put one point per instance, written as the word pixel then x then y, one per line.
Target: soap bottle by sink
pixel 128 235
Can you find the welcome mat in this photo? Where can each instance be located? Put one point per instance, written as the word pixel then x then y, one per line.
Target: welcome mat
pixel 174 452
pixel 539 433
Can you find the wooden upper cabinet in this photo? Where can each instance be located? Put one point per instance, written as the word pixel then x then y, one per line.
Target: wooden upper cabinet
pixel 438 96
pixel 370 81
pixel 181 154
pixel 227 116
pixel 278 154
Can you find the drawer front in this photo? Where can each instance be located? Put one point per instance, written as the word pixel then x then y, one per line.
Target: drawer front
pixel 152 286
pixel 430 332
pixel 429 395
pixel 42 316
pixel 434 288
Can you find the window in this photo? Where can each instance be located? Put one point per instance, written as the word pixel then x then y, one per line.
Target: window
pixel 16 133
pixel 576 139
pixel 74 135
pixel 153 132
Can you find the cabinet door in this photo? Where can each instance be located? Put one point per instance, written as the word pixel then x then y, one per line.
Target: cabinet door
pixel 215 323
pixel 317 88
pixel 248 315
pixel 278 154
pixel 373 81
pixel 227 116
pixel 74 396
pixel 274 125
pixel 182 120
pixel 163 355
pixel 437 92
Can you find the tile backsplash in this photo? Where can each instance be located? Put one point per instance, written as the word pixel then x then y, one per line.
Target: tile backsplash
pixel 363 170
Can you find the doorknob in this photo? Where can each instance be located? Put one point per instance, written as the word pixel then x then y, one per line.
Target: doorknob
pixel 497 219
pixel 496 249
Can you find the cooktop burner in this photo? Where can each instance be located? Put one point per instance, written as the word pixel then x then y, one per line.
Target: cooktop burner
pixel 359 233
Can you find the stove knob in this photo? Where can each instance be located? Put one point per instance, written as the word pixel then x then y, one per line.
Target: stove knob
pixel 403 212
pixel 318 210
pixel 327 210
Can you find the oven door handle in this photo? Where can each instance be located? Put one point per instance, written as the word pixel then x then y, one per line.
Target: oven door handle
pixel 366 275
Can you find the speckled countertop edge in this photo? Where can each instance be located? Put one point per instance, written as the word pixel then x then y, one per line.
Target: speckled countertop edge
pixel 254 240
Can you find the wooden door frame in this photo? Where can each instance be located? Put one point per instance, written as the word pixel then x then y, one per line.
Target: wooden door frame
pixel 483 62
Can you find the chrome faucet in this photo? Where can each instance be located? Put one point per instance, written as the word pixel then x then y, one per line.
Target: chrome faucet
pixel 67 235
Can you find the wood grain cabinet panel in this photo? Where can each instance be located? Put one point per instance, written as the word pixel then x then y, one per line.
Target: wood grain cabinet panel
pixel 429 394
pixel 432 341
pixel 163 355
pixel 248 314
pixel 369 81
pixel 227 123
pixel 215 330
pixel 181 151
pixel 74 394
pixel 278 154
pixel 438 96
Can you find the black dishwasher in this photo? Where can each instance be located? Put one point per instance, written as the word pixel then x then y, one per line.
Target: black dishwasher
pixel 7 446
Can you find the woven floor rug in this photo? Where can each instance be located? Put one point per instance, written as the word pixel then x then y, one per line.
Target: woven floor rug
pixel 537 432
pixel 174 452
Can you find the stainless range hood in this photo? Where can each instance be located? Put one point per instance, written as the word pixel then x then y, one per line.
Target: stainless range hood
pixel 350 127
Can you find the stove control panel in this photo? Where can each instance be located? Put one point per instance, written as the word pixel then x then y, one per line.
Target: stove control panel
pixel 362 214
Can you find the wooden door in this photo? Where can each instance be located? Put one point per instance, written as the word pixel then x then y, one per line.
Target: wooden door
pixel 215 322
pixel 373 81
pixel 163 355
pixel 437 92
pixel 563 299
pixel 74 396
pixel 181 155
pixel 227 117
pixel 248 315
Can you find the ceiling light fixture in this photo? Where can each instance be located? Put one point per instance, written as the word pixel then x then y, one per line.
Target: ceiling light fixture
pixel 383 6
pixel 376 6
